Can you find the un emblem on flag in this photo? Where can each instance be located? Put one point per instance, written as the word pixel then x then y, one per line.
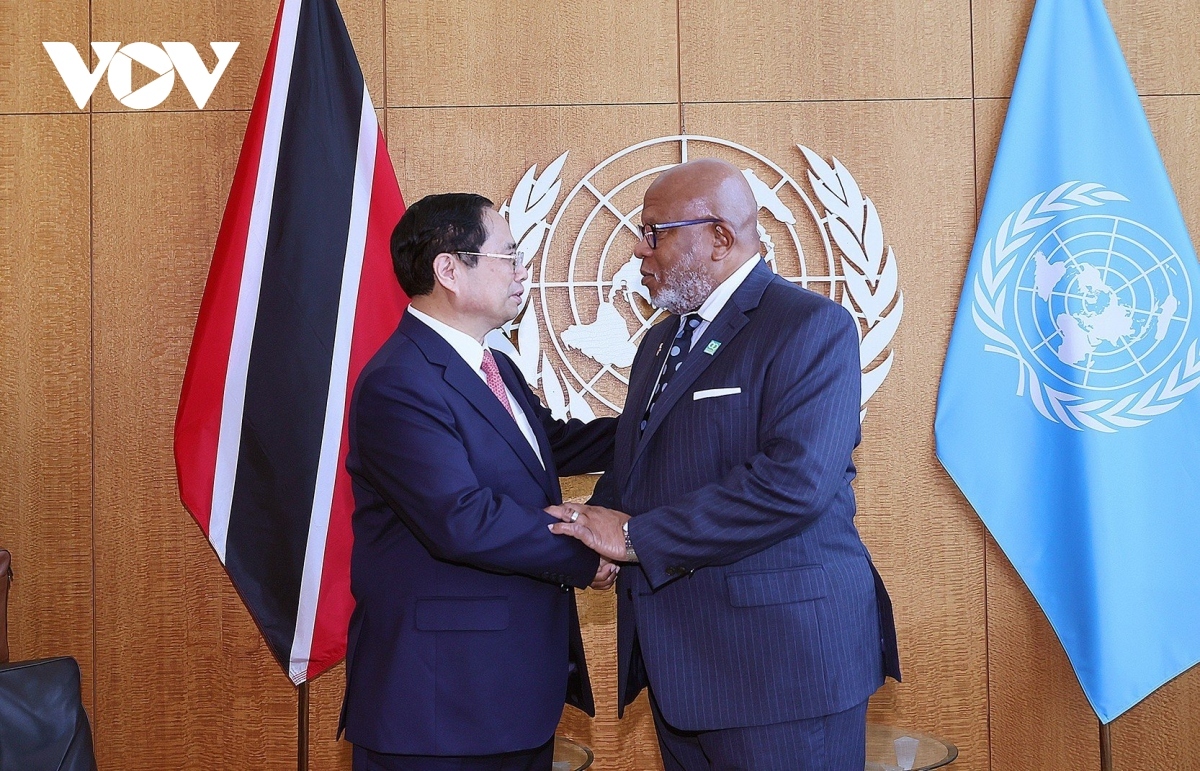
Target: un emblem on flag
pixel 1100 310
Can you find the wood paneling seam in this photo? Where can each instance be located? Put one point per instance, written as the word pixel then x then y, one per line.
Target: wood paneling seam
pixel 96 731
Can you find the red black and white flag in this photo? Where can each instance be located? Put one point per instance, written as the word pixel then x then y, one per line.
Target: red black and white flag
pixel 300 295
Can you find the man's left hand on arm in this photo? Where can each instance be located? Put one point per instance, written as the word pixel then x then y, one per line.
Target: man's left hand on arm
pixel 606 575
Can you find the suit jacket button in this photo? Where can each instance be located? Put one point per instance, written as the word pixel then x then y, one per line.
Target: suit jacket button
pixel 629 594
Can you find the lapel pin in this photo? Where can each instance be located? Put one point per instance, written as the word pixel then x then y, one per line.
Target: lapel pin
pixel 656 353
pixel 712 347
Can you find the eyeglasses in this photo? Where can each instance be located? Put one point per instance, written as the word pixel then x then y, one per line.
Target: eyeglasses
pixel 650 232
pixel 516 260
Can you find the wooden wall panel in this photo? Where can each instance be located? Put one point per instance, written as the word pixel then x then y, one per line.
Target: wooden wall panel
pixel 365 23
pixel 1159 40
pixel 1175 121
pixel 913 159
pixel 184 679
pixel 1039 717
pixel 249 23
pixel 45 386
pixel 999 28
pixel 325 706
pixel 989 123
pixel 524 52
pixel 785 50
pixel 1160 733
pixel 486 150
pixel 1163 732
pixel 28 80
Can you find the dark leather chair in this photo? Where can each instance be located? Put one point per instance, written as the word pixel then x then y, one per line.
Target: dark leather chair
pixel 43 726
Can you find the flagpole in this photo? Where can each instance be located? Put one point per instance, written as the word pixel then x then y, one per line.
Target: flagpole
pixel 302 727
pixel 1105 747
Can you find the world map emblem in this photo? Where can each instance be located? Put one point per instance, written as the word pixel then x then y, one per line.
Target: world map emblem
pixel 585 309
pixel 1095 307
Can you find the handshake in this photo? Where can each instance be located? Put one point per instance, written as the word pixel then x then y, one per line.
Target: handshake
pixel 601 530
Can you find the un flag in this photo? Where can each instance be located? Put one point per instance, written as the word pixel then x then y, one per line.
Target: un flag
pixel 1068 412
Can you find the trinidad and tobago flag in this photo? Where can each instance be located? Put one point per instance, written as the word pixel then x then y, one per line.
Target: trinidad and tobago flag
pixel 300 295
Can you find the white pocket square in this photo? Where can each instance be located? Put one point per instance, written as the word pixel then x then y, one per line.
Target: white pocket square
pixel 714 392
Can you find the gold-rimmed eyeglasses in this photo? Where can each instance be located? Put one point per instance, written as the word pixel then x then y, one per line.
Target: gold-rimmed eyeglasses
pixel 515 260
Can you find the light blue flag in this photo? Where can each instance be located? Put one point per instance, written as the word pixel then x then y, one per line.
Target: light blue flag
pixel 1068 412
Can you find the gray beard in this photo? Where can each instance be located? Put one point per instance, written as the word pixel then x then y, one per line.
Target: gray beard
pixel 686 290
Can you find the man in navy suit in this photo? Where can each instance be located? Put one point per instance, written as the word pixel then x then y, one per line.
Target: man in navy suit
pixel 464 642
pixel 753 612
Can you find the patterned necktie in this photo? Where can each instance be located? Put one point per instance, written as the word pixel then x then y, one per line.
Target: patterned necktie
pixel 494 381
pixel 680 347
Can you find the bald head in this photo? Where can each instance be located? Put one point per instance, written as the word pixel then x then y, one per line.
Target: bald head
pixel 710 187
pixel 707 222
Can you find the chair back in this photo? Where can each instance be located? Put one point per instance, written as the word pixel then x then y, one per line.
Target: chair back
pixel 5 581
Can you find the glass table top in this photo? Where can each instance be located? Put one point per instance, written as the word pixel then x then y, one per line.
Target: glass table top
pixel 570 755
pixel 899 749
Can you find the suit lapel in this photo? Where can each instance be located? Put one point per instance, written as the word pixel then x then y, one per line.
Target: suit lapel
pixel 516 386
pixel 641 384
pixel 732 318
pixel 463 379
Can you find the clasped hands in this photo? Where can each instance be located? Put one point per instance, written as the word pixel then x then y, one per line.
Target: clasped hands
pixel 599 529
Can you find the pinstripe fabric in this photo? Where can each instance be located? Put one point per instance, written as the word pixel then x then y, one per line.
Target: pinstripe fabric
pixel 755 601
pixel 836 742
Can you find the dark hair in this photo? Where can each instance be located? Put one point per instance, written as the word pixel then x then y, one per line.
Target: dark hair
pixel 446 222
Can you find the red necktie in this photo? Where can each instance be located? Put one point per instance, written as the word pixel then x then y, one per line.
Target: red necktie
pixel 494 381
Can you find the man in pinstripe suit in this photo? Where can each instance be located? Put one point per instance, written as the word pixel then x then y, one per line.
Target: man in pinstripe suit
pixel 753 611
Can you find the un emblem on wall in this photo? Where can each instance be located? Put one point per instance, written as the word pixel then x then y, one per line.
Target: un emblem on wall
pixel 585 308
pixel 1100 309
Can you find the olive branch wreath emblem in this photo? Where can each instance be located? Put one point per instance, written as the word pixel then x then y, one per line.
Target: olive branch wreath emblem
pixel 990 295
pixel 850 220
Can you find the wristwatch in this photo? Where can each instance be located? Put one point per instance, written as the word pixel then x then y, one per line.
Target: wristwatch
pixel 630 554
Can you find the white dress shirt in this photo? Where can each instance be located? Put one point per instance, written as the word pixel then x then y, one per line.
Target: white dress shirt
pixel 709 309
pixel 472 353
pixel 716 301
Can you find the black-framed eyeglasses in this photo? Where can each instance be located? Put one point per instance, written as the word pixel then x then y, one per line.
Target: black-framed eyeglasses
pixel 650 232
pixel 515 260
